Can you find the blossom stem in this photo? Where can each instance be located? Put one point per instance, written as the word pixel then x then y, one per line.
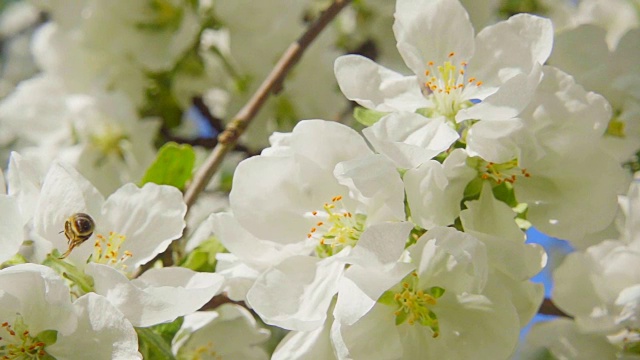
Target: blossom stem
pixel 272 84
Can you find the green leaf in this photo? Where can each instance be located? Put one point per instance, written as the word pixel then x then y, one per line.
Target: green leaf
pixel 152 345
pixel 473 189
pixel 49 337
pixel 388 298
pixel 15 260
pixel 69 271
pixel 401 317
pixel 367 117
pixel 168 331
pixel 504 192
pixel 203 258
pixel 436 292
pixel 173 166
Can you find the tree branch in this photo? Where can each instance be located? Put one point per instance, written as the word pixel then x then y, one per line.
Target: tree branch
pixel 214 121
pixel 272 84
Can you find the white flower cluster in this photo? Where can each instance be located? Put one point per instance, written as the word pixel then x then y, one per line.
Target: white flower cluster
pixel 400 237
pixel 131 227
pixel 403 244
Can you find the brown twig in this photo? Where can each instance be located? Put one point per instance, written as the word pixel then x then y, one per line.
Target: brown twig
pixel 272 84
pixel 549 308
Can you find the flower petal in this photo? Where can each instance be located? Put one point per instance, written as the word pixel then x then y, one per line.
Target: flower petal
pixel 442 184
pixel 376 87
pixel 102 333
pixel 509 99
pixel 158 295
pixel 410 139
pixel 380 192
pixel 11 230
pixel 428 30
pixel 511 47
pixel 64 193
pixel 150 217
pixel 495 141
pixel 296 293
pixel 306 345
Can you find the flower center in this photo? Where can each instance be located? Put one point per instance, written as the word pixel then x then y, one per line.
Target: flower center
pixel 413 305
pixel 201 352
pixel 107 250
pixel 628 340
pixel 336 228
pixel 500 173
pixel 446 85
pixel 616 128
pixel 108 141
pixel 160 15
pixel 17 343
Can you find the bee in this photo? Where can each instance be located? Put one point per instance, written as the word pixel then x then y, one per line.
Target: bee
pixel 78 228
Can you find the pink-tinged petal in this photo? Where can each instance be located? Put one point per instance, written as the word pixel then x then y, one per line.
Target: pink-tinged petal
pixel 410 139
pixel 432 30
pixel 376 87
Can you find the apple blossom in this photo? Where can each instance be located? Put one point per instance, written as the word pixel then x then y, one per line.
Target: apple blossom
pixel 129 232
pixel 616 16
pixel 229 331
pixel 600 288
pixel 98 133
pixel 457 75
pixel 610 73
pixel 39 319
pixel 558 176
pixel 561 339
pixel 443 307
